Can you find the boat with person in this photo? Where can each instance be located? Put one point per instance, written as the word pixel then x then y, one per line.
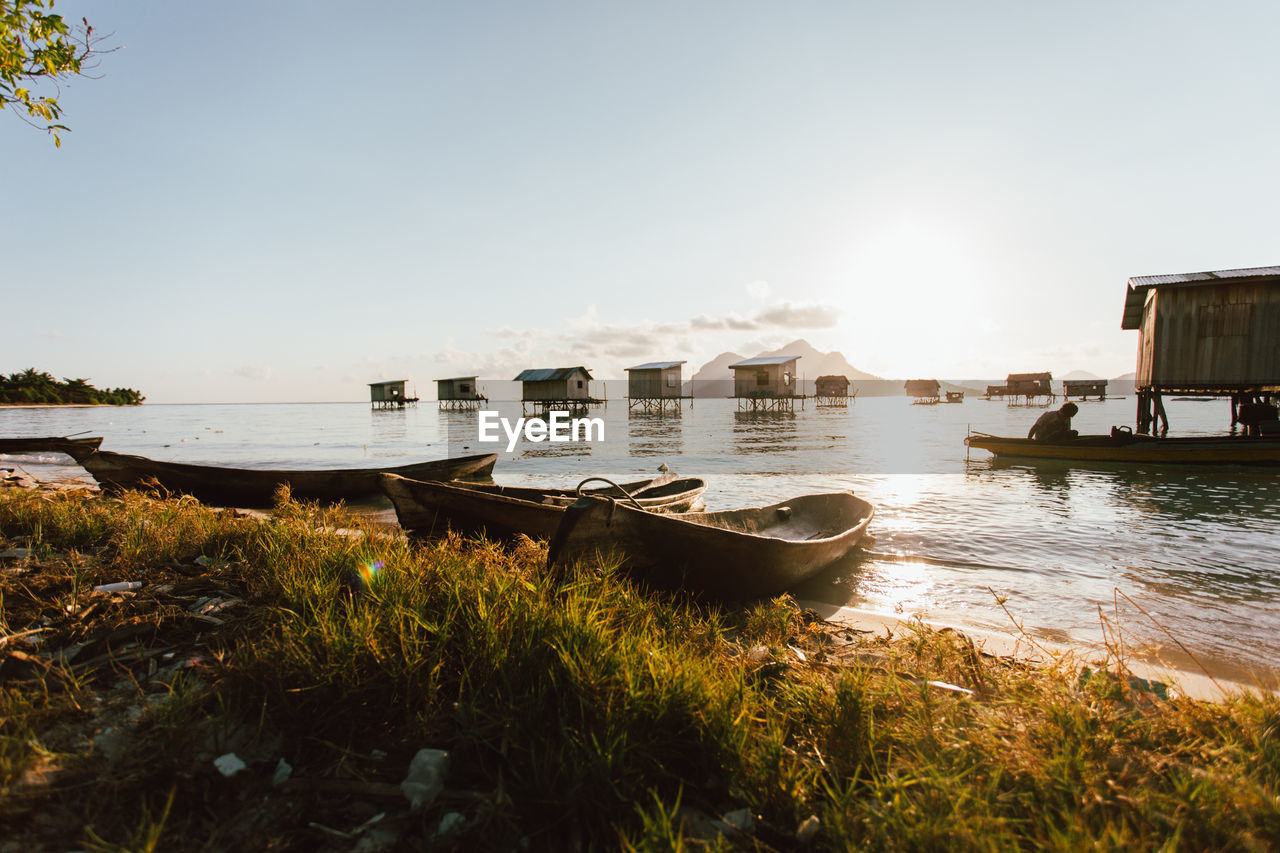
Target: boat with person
pixel 732 554
pixel 51 444
pixel 256 487
pixel 427 509
pixel 1127 447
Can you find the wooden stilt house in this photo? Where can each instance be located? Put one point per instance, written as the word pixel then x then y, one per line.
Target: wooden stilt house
pixel 556 387
pixel 1206 333
pixel 459 393
pixel 925 391
pixel 390 394
pixel 655 386
pixel 767 383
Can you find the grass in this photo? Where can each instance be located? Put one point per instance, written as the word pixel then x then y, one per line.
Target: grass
pixel 580 710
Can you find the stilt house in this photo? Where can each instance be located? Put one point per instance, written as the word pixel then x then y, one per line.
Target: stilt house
pixel 555 384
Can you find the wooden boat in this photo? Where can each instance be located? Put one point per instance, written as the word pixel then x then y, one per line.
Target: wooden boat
pixel 741 553
pixel 255 487
pixel 503 512
pixel 1191 450
pixel 76 447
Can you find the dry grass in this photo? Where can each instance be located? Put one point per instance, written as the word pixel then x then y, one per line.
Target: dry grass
pixel 580 710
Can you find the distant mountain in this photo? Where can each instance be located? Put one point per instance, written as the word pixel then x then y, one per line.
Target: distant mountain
pixel 814 363
pixel 718 367
pixel 1125 377
pixel 1080 375
pixel 715 379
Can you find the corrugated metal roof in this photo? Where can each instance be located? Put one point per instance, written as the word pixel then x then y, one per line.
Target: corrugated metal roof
pixel 656 365
pixel 389 382
pixel 761 362
pixel 456 378
pixel 549 374
pixel 1135 297
pixel 1140 282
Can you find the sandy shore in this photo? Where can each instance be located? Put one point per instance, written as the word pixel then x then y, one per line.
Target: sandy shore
pixel 1213 683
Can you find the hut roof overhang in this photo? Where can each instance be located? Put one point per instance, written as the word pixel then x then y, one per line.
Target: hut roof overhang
pixel 656 365
pixel 765 361
pixel 388 382
pixel 1135 297
pixel 550 374
pixel 456 378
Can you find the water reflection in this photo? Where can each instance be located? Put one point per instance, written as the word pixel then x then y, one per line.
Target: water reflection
pixel 655 434
pixel 764 432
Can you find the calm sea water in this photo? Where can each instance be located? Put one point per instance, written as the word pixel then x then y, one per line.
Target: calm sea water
pixel 1196 548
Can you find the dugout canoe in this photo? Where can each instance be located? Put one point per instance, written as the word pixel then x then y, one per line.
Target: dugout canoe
pixel 254 487
pixel 74 447
pixel 1128 448
pixel 734 554
pixel 504 512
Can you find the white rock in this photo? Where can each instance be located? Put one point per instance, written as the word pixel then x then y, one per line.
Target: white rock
pixel 229 765
pixel 283 771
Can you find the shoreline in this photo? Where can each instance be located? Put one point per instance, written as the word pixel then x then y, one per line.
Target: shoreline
pixel 1216 681
pixel 1211 680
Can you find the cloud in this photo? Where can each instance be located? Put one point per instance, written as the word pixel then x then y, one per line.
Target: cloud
pixel 788 316
pixel 254 374
pixel 608 347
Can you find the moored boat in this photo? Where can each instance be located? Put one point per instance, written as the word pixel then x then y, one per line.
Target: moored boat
pixel 253 487
pixel 734 554
pixel 1133 448
pixel 503 512
pixel 74 447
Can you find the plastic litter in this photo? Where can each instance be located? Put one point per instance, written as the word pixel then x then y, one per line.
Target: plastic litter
pixel 426 777
pixel 119 586
pixel 229 765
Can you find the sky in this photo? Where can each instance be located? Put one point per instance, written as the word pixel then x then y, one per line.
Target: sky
pixel 285 201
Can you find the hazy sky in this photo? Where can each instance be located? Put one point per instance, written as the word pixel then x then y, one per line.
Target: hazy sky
pixel 288 200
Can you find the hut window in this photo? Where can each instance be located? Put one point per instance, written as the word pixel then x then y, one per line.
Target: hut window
pixel 786 379
pixel 1224 321
pixel 464 387
pixel 579 383
pixel 762 377
pixel 671 382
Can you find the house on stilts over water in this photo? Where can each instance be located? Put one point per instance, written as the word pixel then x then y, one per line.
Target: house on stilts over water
pixel 390 395
pixel 656 387
pixel 1208 333
pixel 767 384
pixel 556 388
pixel 459 393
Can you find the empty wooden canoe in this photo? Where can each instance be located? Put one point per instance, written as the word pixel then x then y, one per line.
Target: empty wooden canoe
pixel 503 512
pixel 253 487
pixel 741 553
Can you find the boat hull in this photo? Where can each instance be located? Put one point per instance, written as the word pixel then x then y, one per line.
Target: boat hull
pixel 737 554
pixel 1209 450
pixel 77 448
pixel 256 488
pixel 427 510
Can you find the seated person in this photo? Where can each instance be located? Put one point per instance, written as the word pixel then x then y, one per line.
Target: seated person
pixel 1056 425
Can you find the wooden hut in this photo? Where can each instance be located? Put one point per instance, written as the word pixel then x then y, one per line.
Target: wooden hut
pixel 1084 388
pixel 389 394
pixel 459 392
pixel 831 390
pixel 655 386
pixel 556 387
pixel 1215 333
pixel 766 383
pixel 1029 386
pixel 924 390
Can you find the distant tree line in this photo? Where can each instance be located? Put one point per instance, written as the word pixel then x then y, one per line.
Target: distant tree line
pixel 35 386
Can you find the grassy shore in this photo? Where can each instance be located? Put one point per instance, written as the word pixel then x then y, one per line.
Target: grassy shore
pixel 578 710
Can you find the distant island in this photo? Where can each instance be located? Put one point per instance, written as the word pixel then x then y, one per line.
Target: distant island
pixel 33 387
